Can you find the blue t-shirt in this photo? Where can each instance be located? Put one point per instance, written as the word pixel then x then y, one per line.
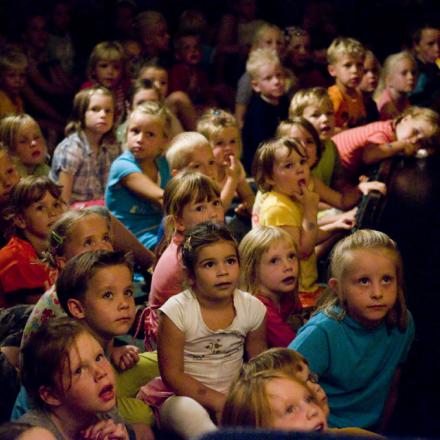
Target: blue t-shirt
pixel 139 215
pixel 355 364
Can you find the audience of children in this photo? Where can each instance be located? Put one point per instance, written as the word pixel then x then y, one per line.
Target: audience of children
pixel 301 165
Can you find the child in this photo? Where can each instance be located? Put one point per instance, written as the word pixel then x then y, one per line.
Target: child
pixel 107 68
pixel 13 67
pixel 26 144
pixel 34 205
pixel 345 58
pixel 398 79
pixel 223 133
pixel 269 104
pixel 288 200
pixel 65 370
pixel 189 199
pixel 374 142
pixel 81 162
pixel 9 177
pixel 205 331
pixel 134 192
pixel 369 84
pixel 272 399
pixel 269 271
pixel 362 332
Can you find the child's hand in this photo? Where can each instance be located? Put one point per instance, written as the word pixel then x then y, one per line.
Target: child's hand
pixel 411 145
pixel 233 168
pixel 346 221
pixel 366 187
pixel 125 357
pixel 106 430
pixel 307 198
pixel 243 209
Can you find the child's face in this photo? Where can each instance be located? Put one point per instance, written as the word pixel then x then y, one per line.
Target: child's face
pixel 428 49
pixel 108 308
pixel 37 34
pixel 91 233
pixel 195 213
pixel 290 172
pixel 226 143
pixel 157 38
pixel 99 114
pixel 145 95
pixel 159 77
pixel 368 286
pixel 293 407
pixel 307 142
pixel 37 433
pixel 311 380
pixel 202 160
pixel 272 39
pixel 370 77
pixel 108 73
pixel 13 81
pixel 145 136
pixel 322 117
pixel 347 71
pixel 410 127
pixel 37 219
pixel 88 382
pixel 270 82
pixel 278 269
pixel 8 177
pixel 403 76
pixel 30 145
pixel 216 272
pixel 299 50
pixel 189 51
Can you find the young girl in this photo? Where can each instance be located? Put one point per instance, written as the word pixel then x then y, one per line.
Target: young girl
pixel 34 205
pixel 398 79
pixel 22 136
pixel 362 332
pixel 65 371
pixel 288 200
pixel 189 199
pixel 9 177
pixel 205 330
pixel 272 399
pixel 269 270
pixel 414 128
pixel 107 68
pixel 81 162
pixel 223 133
pixel 134 192
pixel 368 85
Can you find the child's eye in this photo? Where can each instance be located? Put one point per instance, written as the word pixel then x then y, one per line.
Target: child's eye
pixel 217 203
pixel 291 409
pixel 78 371
pixel 292 256
pixel 150 134
pixel 107 238
pixel 231 261
pixel 310 399
pixel 211 162
pixel 209 264
pixel 200 208
pixel 135 130
pixel 129 292
pixel 107 295
pixel 100 357
pixel 387 279
pixel 363 281
pixel 88 242
pixel 274 260
pixel 303 161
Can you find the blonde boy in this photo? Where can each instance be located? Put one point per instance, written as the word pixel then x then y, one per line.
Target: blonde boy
pixel 13 67
pixel 345 58
pixel 268 105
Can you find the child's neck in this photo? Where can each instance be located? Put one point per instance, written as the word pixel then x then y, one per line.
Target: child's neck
pixel 149 168
pixel 70 425
pixel 396 95
pixel 94 139
pixel 273 296
pixel 352 93
pixel 272 101
pixel 38 243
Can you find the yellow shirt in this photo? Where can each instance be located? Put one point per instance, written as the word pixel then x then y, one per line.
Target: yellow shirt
pixel 7 106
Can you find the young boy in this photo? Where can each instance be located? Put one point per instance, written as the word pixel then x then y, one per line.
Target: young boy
pixel 345 58
pixel 269 103
pixel 13 67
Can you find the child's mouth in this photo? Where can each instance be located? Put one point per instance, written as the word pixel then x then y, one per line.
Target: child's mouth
pixel 289 280
pixel 107 393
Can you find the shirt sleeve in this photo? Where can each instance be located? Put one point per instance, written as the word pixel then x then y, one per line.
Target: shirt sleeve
pixel 70 157
pixel 281 215
pixel 121 168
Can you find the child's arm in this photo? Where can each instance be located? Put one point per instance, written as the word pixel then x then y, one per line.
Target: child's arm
pixel 144 187
pixel 376 152
pixel 256 341
pixel 391 401
pixel 106 429
pixel 124 357
pixel 170 343
pixel 233 170
pixel 66 181
pixel 246 195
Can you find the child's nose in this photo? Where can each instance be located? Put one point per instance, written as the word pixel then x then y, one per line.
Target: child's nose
pixel 311 410
pixel 376 291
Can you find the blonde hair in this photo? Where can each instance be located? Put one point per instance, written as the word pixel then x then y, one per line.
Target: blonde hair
pixel 305 97
pixel 262 166
pixel 248 403
pixel 252 248
pixel 259 58
pixel 81 102
pixel 12 59
pixel 388 67
pixel 9 127
pixel 111 51
pixel 259 33
pixel 341 46
pixel 181 148
pixel 214 120
pixel 360 240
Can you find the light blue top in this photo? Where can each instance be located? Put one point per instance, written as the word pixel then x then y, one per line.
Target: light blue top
pixel 139 215
pixel 355 365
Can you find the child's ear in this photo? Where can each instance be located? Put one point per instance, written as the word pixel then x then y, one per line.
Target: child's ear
pixel 178 224
pixel 255 86
pixel 76 309
pixel 20 221
pixel 174 172
pixel 60 262
pixel 333 283
pixel 49 396
pixel 331 70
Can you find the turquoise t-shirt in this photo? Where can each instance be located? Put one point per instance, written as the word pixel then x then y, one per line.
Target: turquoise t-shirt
pixel 355 365
pixel 139 215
